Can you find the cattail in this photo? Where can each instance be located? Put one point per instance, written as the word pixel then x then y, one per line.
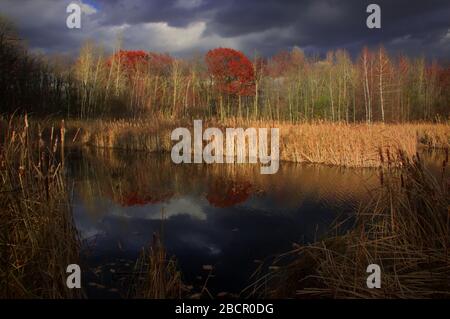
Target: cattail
pixel 388 154
pixel 380 151
pixel 51 135
pixel 55 146
pixel 63 133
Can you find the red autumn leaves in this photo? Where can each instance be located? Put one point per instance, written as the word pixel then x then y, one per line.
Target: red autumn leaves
pixel 132 61
pixel 231 71
pixel 129 60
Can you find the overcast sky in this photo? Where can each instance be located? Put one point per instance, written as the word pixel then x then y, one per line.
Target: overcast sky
pixel 185 27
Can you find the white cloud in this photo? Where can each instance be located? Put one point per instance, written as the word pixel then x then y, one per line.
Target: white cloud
pixel 87 9
pixel 159 36
pixel 446 39
pixel 174 207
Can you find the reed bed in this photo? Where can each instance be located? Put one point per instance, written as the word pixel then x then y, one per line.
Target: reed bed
pixel 404 228
pixel 156 275
pixel 359 145
pixel 152 135
pixel 38 239
pixel 349 145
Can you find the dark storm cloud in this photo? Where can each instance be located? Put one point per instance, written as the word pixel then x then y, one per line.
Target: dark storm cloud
pixel 329 24
pixel 183 26
pixel 175 13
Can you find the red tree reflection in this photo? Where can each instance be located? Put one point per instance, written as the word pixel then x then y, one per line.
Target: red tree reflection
pixel 228 193
pixel 135 199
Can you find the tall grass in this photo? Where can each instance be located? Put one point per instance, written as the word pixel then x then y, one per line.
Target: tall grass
pixel 157 276
pixel 359 145
pixel 350 145
pixel 139 135
pixel 38 239
pixel 404 228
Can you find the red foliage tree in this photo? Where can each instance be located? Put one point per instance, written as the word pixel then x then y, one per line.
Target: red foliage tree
pixel 160 63
pixel 130 60
pixel 232 71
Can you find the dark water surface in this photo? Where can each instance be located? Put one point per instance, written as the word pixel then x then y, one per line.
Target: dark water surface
pixel 226 216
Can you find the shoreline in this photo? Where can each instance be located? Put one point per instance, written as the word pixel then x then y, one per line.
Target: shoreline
pixel 346 145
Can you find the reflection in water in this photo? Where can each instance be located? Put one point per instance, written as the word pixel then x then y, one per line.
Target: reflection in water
pixel 228 216
pixel 225 193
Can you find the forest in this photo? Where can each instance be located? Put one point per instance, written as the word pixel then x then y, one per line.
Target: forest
pixel 225 83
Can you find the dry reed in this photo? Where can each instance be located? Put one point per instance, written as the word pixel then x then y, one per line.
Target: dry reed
pixel 349 145
pixel 157 276
pixel 38 239
pixel 404 228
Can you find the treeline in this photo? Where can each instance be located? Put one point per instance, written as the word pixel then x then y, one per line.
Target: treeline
pixel 289 86
pixel 30 82
pixel 225 83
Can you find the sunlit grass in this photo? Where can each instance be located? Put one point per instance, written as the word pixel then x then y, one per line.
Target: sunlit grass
pixel 350 145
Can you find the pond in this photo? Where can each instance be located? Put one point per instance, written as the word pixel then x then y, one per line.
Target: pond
pixel 226 216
